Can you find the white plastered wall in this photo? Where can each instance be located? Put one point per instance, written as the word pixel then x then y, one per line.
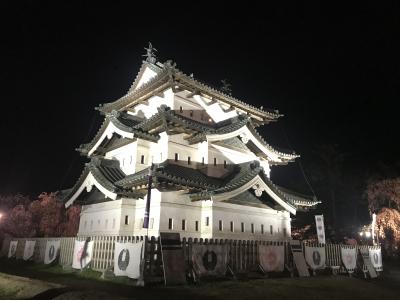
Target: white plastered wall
pixel 149 108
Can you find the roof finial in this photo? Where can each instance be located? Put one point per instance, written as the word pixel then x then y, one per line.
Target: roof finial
pixel 226 87
pixel 150 55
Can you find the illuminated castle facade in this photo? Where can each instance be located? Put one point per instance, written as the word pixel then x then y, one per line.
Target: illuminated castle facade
pixel 212 169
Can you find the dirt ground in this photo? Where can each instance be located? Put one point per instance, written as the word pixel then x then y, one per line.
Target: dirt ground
pixel 55 283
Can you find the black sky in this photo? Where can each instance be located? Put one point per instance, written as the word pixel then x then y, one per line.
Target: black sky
pixel 333 71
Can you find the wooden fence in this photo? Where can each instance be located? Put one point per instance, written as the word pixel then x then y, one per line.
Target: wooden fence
pixel 243 255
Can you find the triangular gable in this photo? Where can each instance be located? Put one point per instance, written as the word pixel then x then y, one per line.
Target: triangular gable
pixel 147 72
pixel 259 186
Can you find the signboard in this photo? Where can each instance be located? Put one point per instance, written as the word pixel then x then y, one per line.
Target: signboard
pixel 127 259
pixel 82 254
pixel 12 250
pixel 29 249
pixel 52 250
pixel 315 257
pixel 349 258
pixel 298 258
pixel 319 223
pixel 271 258
pixel 173 258
pixel 210 259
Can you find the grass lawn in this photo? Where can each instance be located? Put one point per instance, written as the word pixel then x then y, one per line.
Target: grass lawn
pixel 90 285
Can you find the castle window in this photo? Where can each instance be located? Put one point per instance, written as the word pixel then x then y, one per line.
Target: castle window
pixel 262 228
pixel 225 164
pixel 142 160
pixel 207 221
pixel 188 160
pixel 284 232
pixel 252 228
pixel 191 113
pixel 197 225
pixel 170 224
pixel 202 160
pixel 180 109
pixel 215 161
pixel 271 229
pixel 242 225
pixel 183 224
pixel 232 226
pixel 220 225
pixel 176 157
pixel 126 220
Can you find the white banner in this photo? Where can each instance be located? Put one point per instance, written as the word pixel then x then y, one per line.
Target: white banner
pixel 29 250
pixel 376 258
pixel 52 250
pixel 82 254
pixel 210 259
pixel 127 259
pixel 315 257
pixel 319 223
pixel 271 258
pixel 349 258
pixel 12 250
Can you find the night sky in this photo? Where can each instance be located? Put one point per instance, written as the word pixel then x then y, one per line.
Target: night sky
pixel 332 71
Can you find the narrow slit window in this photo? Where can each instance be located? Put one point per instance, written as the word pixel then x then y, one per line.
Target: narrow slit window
pixel 180 109
pixel 225 164
pixel 242 225
pixel 188 160
pixel 232 226
pixel 191 113
pixel 262 228
pixel 202 160
pixel 142 160
pixel 197 226
pixel 126 220
pixel 183 224
pixel 271 229
pixel 215 161
pixel 170 224
pixel 151 223
pixel 207 221
pixel 252 228
pixel 284 232
pixel 176 157
pixel 220 225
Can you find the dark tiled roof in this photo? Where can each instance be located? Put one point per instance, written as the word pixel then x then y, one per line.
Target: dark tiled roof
pixel 172 173
pixel 234 143
pixel 105 171
pixel 170 76
pixel 248 199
